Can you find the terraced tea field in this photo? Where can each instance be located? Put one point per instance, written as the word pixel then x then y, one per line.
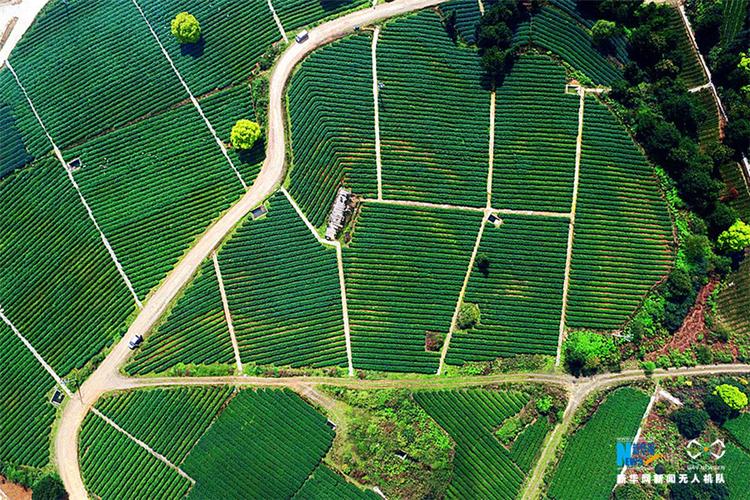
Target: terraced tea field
pixel 283 292
pixel 519 294
pixel 324 483
pixel 404 269
pixel 296 14
pixel 194 331
pixel 332 132
pixel 234 36
pixel 153 195
pixel 587 469
pixel 482 467
pixel 533 114
pixel 433 115
pixel 623 240
pixel 734 301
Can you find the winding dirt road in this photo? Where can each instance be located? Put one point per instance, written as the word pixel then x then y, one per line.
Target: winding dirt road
pixel 107 375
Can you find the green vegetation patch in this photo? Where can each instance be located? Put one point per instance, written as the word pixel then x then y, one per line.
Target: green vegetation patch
pixel 588 468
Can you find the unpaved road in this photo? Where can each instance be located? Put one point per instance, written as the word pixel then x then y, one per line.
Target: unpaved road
pixel 272 173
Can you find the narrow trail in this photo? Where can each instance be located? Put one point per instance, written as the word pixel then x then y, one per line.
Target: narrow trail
pixel 35 353
pixel 278 22
pixel 376 104
pixel 464 285
pixel 192 97
pixel 143 445
pixel 90 212
pixel 491 155
pixel 227 313
pixel 571 226
pixel 448 206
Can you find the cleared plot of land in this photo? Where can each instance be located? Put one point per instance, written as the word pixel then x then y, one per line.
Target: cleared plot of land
pixel 323 483
pixel 194 331
pixel 467 17
pixel 734 302
pixel 482 467
pixel 404 271
pixel 691 71
pixel 554 30
pixel 588 469
pixel 434 115
pixel 223 109
pixel 298 13
pixel 536 125
pixel 264 444
pixel 58 284
pixel 113 466
pixel 92 66
pixel 623 230
pixel 283 292
pixel 170 421
pixel 153 187
pixel 332 126
pixel 234 35
pixel 27 415
pixel 519 294
pixel 22 138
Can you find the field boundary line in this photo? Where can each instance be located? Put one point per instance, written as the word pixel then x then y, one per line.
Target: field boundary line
pixel 90 212
pixel 464 286
pixel 35 353
pixel 447 206
pixel 481 9
pixel 344 307
pixel 491 160
pixel 533 213
pixel 637 437
pixel 376 105
pixel 143 445
pixel 571 226
pixel 192 97
pixel 227 312
pixel 277 20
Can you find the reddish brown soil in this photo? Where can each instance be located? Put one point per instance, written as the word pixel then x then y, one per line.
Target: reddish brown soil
pixel 694 324
pixel 13 491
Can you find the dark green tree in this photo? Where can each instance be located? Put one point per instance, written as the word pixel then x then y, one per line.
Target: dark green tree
pixel 691 422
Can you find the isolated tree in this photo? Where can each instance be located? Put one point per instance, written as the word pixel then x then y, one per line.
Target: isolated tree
pixel 244 134
pixel 734 398
pixel 586 352
pixel 736 238
pixel 691 422
pixel 679 284
pixel 602 31
pixel 468 316
pixel 483 264
pixel 186 28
